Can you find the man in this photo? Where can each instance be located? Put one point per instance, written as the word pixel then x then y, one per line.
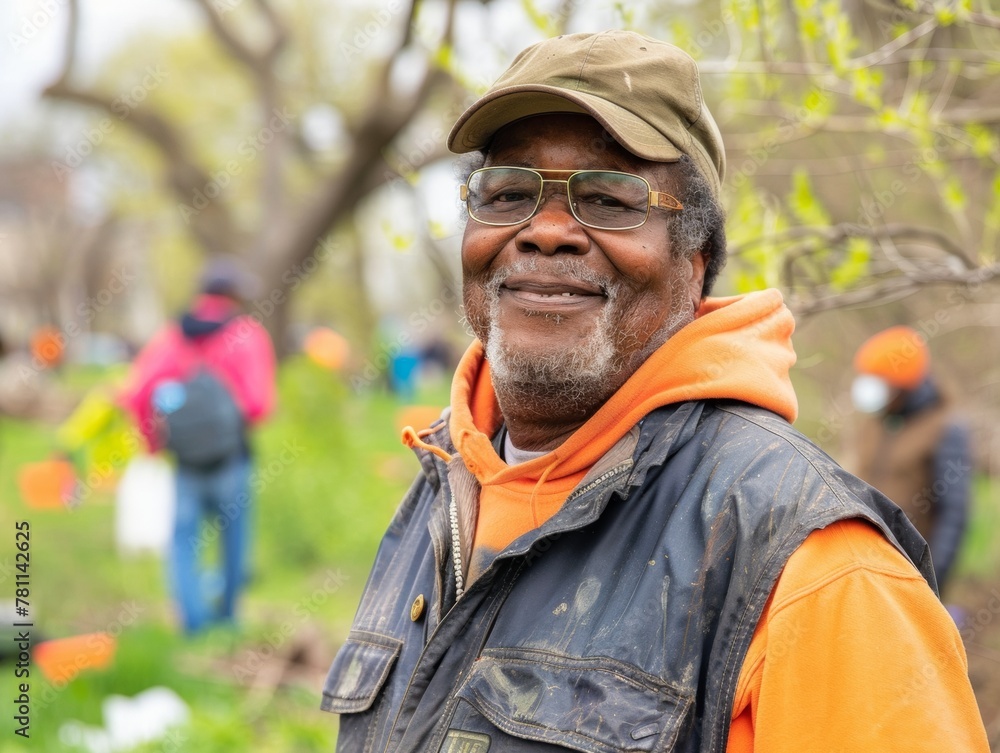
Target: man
pixel 590 557
pixel 195 389
pixel 910 443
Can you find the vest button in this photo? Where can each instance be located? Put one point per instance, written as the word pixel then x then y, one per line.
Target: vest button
pixel 417 609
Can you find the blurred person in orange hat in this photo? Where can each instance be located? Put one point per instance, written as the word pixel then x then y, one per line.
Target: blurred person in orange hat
pixel 910 442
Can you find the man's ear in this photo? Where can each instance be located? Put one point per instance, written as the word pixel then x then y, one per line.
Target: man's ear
pixel 696 281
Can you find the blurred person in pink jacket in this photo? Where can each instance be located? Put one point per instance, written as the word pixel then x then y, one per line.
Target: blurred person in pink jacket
pixel 196 389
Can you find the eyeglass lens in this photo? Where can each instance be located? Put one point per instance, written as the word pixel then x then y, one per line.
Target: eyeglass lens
pixel 599 198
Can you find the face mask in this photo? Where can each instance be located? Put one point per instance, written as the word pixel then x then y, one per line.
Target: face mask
pixel 870 394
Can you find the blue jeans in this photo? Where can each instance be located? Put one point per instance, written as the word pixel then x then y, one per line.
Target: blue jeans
pixel 219 496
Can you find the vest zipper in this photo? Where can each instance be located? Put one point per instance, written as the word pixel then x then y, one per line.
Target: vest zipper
pixel 456 546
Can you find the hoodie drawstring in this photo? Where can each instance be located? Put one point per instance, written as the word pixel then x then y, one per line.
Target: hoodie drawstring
pixel 413 438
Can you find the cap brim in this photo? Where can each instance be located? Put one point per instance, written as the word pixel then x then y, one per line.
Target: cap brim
pixel 479 123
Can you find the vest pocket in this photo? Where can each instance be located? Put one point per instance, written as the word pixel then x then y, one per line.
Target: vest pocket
pixel 359 671
pixel 593 705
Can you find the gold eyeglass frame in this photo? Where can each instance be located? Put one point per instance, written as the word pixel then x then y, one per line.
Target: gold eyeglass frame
pixel 657 199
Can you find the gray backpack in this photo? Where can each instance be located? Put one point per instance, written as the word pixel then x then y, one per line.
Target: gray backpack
pixel 205 425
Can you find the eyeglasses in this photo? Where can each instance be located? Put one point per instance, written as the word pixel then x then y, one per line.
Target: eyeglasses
pixel 601 199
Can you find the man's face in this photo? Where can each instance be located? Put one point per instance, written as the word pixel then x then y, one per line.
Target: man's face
pixel 561 305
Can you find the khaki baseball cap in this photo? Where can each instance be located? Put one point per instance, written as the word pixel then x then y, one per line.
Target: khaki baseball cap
pixel 645 92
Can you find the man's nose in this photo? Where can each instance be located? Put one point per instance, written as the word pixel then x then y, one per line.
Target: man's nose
pixel 553 229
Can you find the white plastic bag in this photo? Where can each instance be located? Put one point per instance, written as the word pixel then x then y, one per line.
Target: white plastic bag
pixel 144 506
pixel 129 722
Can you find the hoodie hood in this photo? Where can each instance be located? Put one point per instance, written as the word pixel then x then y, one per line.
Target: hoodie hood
pixel 736 348
pixel 208 314
pixel 925 395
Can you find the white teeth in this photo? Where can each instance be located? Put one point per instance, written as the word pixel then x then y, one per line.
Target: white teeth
pixel 556 295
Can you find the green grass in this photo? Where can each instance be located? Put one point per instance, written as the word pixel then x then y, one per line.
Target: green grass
pixel 980 554
pixel 331 471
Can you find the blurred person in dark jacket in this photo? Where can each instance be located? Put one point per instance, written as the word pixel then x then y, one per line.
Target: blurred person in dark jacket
pixel 911 443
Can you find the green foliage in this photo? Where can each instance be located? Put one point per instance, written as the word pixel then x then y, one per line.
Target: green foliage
pixel 992 221
pixel 870 110
pixel 953 194
pixel 803 201
pixel 322 426
pixel 866 87
pixel 855 265
pixel 444 57
pixel 839 34
pixel 979 555
pixel 918 113
pixel 542 21
pixel 985 143
pixel 810 26
pixel 946 14
pixel 626 13
pixel 752 224
pixel 772 13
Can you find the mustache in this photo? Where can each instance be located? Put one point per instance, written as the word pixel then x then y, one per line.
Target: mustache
pixel 572 269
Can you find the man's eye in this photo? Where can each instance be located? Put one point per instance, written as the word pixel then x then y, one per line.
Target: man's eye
pixel 512 196
pixel 608 201
pixel 603 200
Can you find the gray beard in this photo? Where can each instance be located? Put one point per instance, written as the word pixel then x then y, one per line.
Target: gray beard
pixel 573 380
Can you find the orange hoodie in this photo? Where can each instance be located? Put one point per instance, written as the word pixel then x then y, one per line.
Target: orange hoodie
pixel 737 348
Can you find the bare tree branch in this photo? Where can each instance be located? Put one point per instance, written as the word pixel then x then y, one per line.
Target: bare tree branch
pixel 212 225
pixel 378 126
pixel 257 61
pixel 279 34
pixel 887 50
pixel 793 68
pixel 974 17
pixel 982 19
pixel 260 65
pixel 827 236
pixel 892 289
pixel 962 116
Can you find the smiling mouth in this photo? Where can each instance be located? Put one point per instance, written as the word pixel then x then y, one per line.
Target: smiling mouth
pixel 551 292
